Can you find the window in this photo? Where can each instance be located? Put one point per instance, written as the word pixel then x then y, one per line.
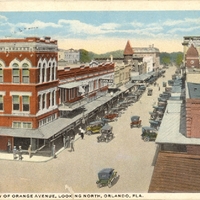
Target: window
pixel 16 124
pixel 25 73
pixel 1 74
pixel 25 102
pixel 15 75
pixel 15 102
pixel 53 98
pixel 1 102
pixel 43 101
pixel 27 125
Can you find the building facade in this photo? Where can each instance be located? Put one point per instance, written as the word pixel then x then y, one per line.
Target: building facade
pixel 70 56
pixel 28 94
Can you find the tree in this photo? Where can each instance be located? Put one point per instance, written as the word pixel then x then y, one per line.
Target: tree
pixel 179 59
pixel 84 56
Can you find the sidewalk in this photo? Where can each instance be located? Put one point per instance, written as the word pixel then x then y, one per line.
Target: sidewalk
pixel 34 158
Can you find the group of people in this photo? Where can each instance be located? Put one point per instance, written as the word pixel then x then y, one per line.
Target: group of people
pixel 82 133
pixel 19 152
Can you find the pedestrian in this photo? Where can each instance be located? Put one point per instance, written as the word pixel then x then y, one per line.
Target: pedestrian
pixel 29 151
pixel 67 142
pixel 20 153
pixel 82 132
pixel 14 152
pixel 9 146
pixel 64 141
pixel 158 88
pixel 54 151
pixel 72 144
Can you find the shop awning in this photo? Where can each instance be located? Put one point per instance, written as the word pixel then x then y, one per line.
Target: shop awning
pixel 70 85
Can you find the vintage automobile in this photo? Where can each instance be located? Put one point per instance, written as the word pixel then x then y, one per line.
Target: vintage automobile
pixel 142 87
pixel 112 116
pixel 106 134
pixel 94 127
pixel 106 176
pixel 155 124
pixel 164 84
pixel 149 92
pixel 153 115
pixel 148 133
pixel 135 121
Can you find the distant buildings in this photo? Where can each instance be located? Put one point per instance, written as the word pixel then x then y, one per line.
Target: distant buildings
pixel 70 56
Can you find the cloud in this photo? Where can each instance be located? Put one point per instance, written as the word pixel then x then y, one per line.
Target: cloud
pixel 184 22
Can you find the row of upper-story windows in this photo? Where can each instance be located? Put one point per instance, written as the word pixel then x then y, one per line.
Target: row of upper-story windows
pixel 23 75
pixel 24 101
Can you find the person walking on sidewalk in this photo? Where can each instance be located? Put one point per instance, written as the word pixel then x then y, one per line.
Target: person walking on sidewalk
pixel 20 153
pixel 82 132
pixel 29 151
pixel 9 146
pixel 14 152
pixel 72 144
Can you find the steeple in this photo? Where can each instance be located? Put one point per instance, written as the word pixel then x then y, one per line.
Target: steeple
pixel 128 49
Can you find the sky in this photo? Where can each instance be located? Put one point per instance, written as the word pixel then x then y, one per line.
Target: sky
pixel 104 31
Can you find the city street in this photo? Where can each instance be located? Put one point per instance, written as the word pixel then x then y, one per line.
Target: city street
pixel 127 153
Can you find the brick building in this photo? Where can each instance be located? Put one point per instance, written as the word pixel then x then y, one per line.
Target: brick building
pixel 28 94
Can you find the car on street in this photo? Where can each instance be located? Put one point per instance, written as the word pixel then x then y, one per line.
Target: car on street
pixel 94 127
pixel 148 133
pixel 106 134
pixel 106 176
pixel 135 121
pixel 150 91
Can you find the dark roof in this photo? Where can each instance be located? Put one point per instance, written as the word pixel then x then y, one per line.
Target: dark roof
pixel 176 172
pixel 128 49
pixel 135 118
pixel 194 90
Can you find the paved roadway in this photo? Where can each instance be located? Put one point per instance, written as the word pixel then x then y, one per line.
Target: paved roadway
pixel 127 153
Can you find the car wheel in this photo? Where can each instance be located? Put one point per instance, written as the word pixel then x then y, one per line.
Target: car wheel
pixel 146 139
pixel 109 184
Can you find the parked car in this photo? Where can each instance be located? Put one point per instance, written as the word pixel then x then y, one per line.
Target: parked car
pixel 148 133
pixel 106 134
pixel 142 87
pixel 106 177
pixel 94 127
pixel 112 116
pixel 135 121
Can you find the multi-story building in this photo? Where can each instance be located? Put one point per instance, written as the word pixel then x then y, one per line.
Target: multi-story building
pixel 70 56
pixel 83 84
pixel 28 90
pixel 150 51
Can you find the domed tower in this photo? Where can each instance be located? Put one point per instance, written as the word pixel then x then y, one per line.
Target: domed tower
pixel 192 57
pixel 128 52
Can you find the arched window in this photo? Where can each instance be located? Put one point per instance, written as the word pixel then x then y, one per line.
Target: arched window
pixel 25 73
pixel 43 73
pixel 16 73
pixel 53 72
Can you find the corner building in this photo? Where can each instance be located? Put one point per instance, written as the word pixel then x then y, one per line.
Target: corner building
pixel 28 90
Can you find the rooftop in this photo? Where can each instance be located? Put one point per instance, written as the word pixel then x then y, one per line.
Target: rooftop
pixel 193 90
pixel 176 172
